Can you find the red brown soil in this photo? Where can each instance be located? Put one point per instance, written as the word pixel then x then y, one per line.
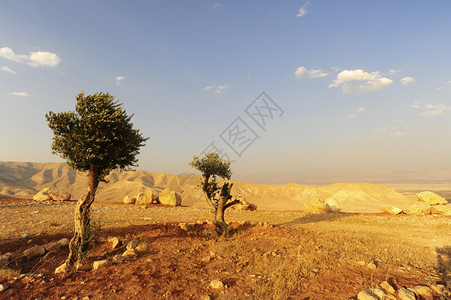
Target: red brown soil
pixel 257 263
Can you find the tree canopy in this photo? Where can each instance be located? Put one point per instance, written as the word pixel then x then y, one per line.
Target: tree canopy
pixel 98 132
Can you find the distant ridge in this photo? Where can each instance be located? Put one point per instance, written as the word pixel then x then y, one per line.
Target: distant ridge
pixel 25 179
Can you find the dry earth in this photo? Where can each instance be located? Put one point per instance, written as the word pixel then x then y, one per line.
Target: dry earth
pixel 274 255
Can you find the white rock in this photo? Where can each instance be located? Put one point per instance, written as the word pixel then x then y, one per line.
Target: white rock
pixel 169 197
pixel 34 251
pixel 388 287
pixel 217 284
pixel 129 200
pixel 129 253
pixel 422 291
pixel 145 198
pixel 332 205
pixel 418 209
pixel 99 263
pixel 115 242
pixel 444 210
pixel 3 287
pixel 132 244
pixel 61 269
pixel 405 294
pixel 366 295
pixel 51 194
pixel 391 209
pixel 431 198
pixel 64 242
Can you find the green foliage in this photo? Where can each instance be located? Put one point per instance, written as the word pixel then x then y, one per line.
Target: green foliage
pixel 211 165
pixel 97 134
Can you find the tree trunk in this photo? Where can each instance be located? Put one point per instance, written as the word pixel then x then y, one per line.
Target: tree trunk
pixel 221 227
pixel 80 241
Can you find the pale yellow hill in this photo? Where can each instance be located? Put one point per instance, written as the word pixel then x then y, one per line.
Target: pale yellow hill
pixel 24 180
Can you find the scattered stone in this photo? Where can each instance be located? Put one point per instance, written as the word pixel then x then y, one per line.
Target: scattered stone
pixel 217 284
pixel 418 209
pixel 61 269
pixel 372 266
pixel 431 198
pixel 129 253
pixel 393 210
pixel 422 291
pixel 24 236
pixel 332 205
pixel 361 262
pixel 205 297
pixel 315 206
pixel 206 259
pixel 64 242
pixel 378 292
pixel 169 197
pixel 99 263
pixel 129 200
pixel 132 244
pixel 184 226
pixel 54 247
pixel 145 198
pixel 47 194
pixel 441 210
pixel 3 287
pixel 405 294
pixel 4 260
pixel 34 251
pixel 438 288
pixel 115 242
pixel 366 295
pixel 118 258
pixel 388 287
pixel 243 204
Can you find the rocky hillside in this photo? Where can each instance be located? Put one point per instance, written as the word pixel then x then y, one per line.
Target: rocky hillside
pixel 24 180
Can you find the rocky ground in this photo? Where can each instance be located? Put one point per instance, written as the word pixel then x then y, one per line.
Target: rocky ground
pixel 274 255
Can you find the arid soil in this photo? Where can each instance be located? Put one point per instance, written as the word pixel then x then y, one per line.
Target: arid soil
pixel 274 255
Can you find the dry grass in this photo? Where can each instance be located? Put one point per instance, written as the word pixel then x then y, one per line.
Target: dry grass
pixel 8 274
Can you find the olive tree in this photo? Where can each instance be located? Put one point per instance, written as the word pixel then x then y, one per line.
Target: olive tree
pixel 218 196
pixel 95 138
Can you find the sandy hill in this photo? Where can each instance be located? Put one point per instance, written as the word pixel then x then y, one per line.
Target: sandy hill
pixel 24 180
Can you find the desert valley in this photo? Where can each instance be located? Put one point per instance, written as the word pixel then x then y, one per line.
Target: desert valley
pixel 282 250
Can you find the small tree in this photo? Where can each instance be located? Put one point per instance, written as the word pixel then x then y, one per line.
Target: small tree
pixel 217 196
pixel 95 138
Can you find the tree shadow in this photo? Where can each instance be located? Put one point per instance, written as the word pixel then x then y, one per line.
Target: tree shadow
pixel 315 218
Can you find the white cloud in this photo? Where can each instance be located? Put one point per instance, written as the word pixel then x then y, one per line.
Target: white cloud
pixel 415 105
pixel 394 71
pixel 434 110
pixel 19 94
pixel 303 10
pixel 313 73
pixel 7 69
pixel 119 80
pixel 382 129
pixel 357 81
pixel 217 89
pixel 407 80
pixel 34 59
pixel 358 111
pixel 217 5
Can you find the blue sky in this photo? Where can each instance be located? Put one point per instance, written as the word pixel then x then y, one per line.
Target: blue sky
pixel 363 87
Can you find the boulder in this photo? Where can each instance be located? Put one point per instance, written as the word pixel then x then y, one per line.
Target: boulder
pixel 441 210
pixel 34 251
pixel 332 205
pixel 243 205
pixel 393 210
pixel 217 284
pixel 53 247
pixel 315 206
pixel 64 242
pixel 132 244
pixel 388 287
pixel 51 194
pixel 422 292
pixel 99 263
pixel 115 242
pixel 129 200
pixel 418 209
pixel 366 295
pixel 61 269
pixel 405 294
pixel 431 198
pixel 145 198
pixel 169 197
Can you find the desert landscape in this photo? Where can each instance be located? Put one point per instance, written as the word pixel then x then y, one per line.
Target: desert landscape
pixel 280 251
